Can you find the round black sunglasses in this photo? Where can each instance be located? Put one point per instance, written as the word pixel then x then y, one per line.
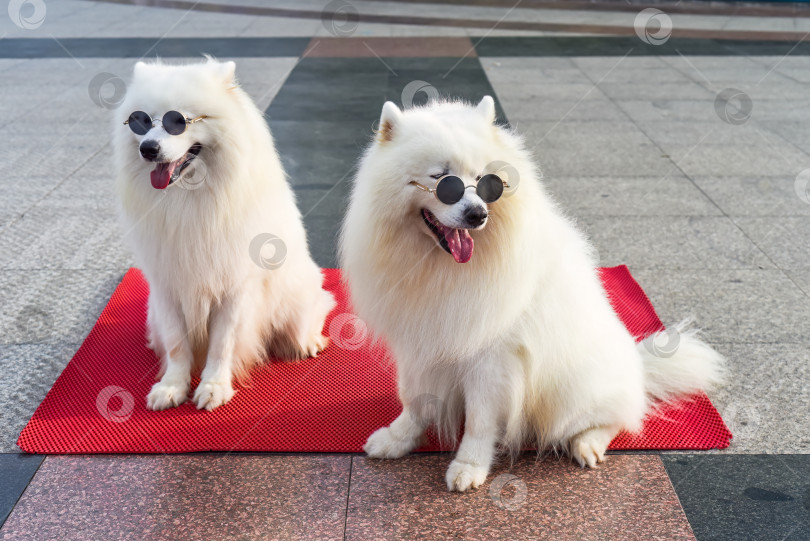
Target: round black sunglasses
pixel 173 122
pixel 450 189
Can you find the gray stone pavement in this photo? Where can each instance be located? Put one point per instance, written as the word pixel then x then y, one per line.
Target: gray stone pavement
pixel 705 212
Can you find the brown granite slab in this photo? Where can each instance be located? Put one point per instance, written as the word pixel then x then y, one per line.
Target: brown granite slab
pixel 628 497
pixel 183 497
pixel 416 47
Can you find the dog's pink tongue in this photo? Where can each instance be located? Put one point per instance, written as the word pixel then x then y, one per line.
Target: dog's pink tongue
pixel 460 243
pixel 162 175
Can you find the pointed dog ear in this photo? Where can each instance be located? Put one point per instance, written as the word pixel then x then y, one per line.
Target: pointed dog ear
pixel 139 68
pixel 227 71
pixel 487 109
pixel 389 118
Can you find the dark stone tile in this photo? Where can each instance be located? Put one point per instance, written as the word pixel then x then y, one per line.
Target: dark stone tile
pixel 184 497
pixel 631 45
pixel 136 47
pixel 388 47
pixel 733 497
pixel 629 497
pixel 16 470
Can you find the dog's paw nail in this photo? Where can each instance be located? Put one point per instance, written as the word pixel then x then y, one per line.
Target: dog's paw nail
pixel 211 394
pixel 166 395
pixel 462 476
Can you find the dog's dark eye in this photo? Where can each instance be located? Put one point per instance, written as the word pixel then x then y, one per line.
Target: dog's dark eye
pixel 440 175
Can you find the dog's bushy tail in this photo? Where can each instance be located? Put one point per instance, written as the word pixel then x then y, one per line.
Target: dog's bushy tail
pixel 678 363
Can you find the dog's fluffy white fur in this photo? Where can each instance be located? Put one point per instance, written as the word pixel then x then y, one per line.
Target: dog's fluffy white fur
pixel 212 307
pixel 520 342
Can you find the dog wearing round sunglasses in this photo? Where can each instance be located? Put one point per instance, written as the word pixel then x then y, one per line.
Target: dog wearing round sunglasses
pixel 490 301
pixel 215 229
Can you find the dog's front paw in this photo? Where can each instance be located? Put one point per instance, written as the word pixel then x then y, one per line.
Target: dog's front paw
pixel 588 448
pixel 212 394
pixel 166 394
pixel 314 345
pixel 462 476
pixel 383 444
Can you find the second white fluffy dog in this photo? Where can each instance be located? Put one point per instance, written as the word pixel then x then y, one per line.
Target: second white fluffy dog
pixel 491 303
pixel 201 189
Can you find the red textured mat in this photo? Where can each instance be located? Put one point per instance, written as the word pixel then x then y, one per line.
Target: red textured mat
pixel 327 404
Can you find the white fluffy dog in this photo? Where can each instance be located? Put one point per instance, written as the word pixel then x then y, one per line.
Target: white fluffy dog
pixel 495 311
pixel 205 203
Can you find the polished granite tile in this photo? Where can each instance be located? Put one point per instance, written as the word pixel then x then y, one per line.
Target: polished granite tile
pixel 51 306
pixel 16 470
pixel 732 306
pixel 764 401
pixel 421 47
pixel 630 496
pixel 758 196
pixel 734 497
pixel 673 242
pixel 783 238
pixel 71 239
pixel 674 195
pixel 184 497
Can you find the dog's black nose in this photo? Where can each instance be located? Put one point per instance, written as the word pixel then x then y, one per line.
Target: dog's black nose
pixel 150 149
pixel 475 216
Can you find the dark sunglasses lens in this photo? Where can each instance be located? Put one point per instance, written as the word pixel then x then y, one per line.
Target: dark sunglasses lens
pixel 174 123
pixel 140 122
pixel 490 188
pixel 450 190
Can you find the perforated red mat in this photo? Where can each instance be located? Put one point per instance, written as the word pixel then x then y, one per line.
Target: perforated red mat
pixel 327 404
